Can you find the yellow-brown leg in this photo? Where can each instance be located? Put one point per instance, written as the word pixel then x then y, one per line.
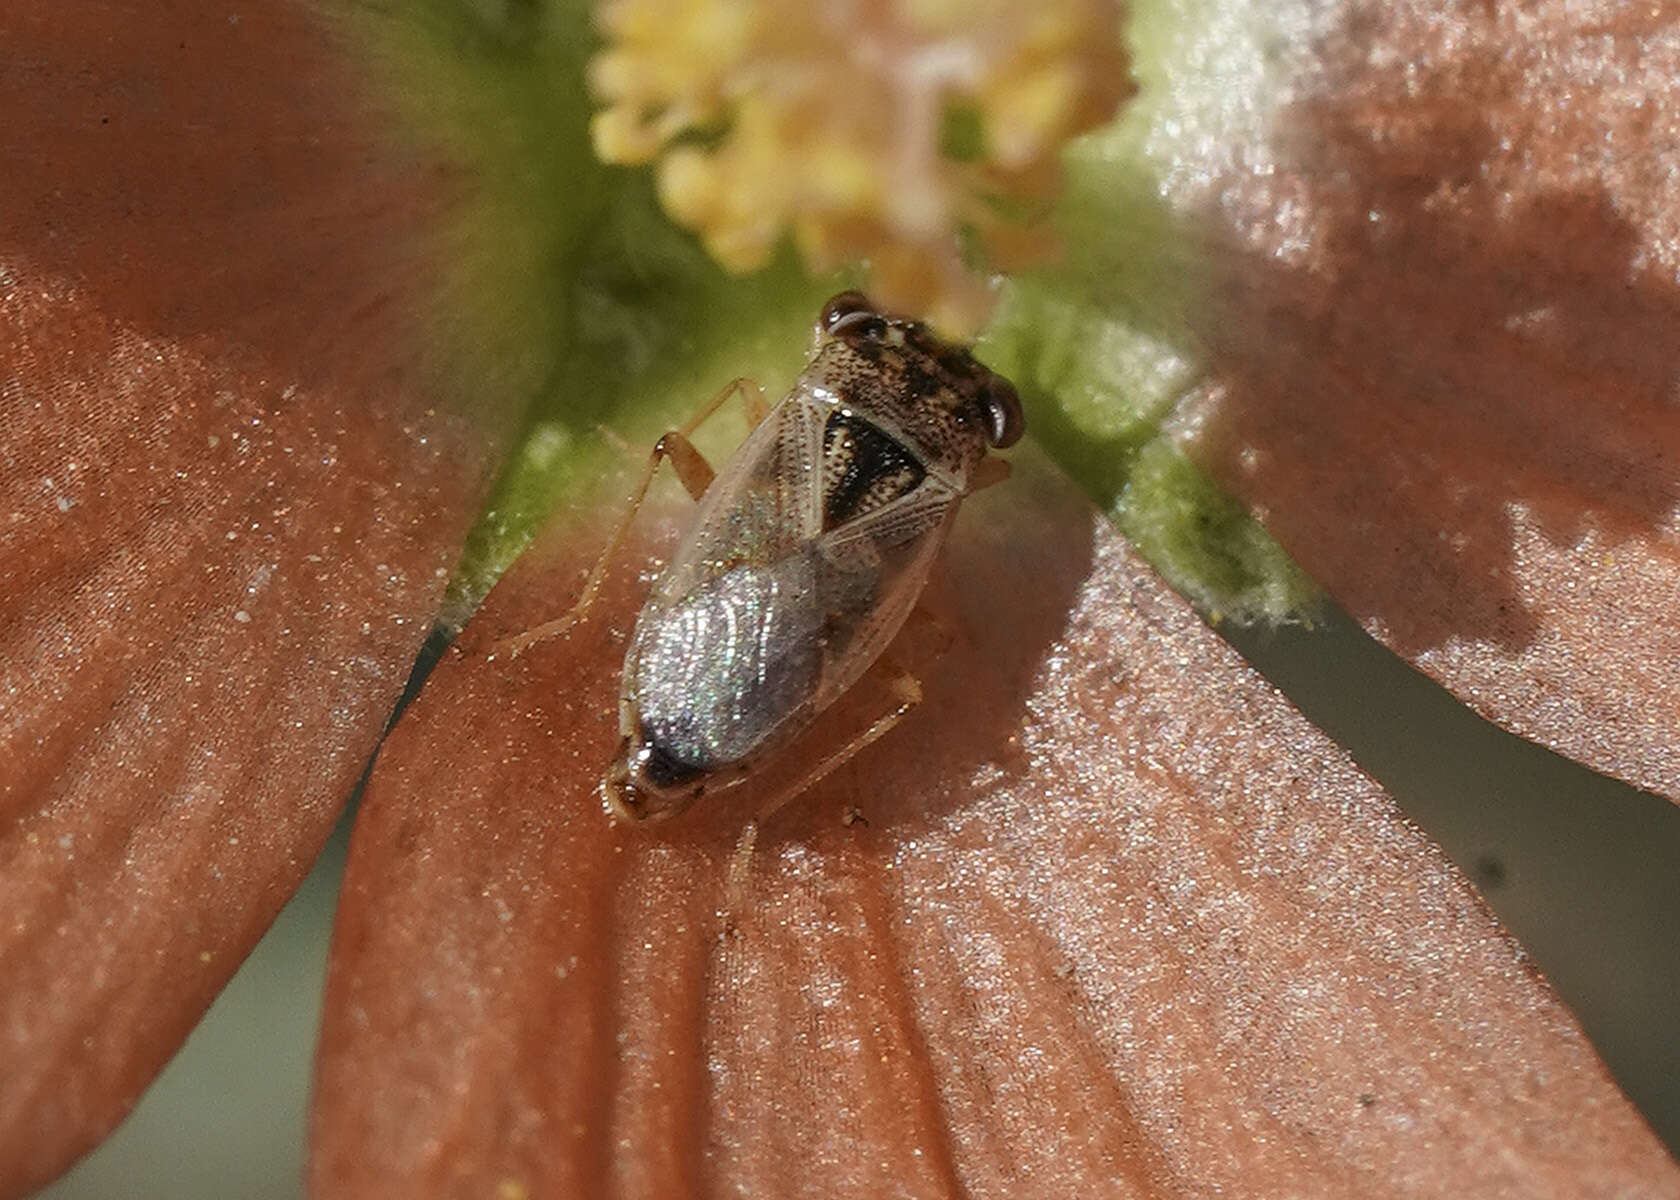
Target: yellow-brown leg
pixel 906 689
pixel 927 630
pixel 988 472
pixel 696 475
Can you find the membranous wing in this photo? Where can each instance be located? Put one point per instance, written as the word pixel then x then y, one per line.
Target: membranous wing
pixel 761 508
pixel 874 567
pixel 807 554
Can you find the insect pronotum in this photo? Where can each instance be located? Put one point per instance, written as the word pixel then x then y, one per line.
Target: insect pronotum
pixel 807 553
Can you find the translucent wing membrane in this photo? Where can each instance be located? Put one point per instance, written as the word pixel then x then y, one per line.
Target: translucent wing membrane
pixel 894 547
pixel 762 507
pixel 720 672
pixel 808 553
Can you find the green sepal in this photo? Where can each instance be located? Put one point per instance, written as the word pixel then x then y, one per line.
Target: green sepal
pixel 570 292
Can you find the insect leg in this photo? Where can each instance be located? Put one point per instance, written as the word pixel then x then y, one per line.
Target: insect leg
pixel 696 475
pixel 906 688
pixel 930 628
pixel 989 472
pixel 689 464
pixel 752 400
pixel 735 875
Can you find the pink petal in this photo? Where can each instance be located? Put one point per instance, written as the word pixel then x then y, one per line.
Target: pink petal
pixel 1449 379
pixel 225 521
pixel 1119 922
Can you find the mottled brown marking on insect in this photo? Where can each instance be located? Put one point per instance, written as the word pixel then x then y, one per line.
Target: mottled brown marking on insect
pixel 929 390
pixel 809 551
pixel 919 381
pixel 863 348
pixel 863 469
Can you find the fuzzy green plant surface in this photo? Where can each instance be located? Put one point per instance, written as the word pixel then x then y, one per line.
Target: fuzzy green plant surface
pixel 571 291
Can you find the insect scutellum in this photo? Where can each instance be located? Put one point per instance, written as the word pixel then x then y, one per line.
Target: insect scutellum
pixel 807 553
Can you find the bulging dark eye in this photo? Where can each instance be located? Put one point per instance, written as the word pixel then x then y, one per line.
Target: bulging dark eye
pixel 1004 421
pixel 846 304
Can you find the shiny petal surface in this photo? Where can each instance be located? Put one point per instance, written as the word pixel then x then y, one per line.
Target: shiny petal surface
pixel 226 518
pixel 1447 362
pixel 1104 917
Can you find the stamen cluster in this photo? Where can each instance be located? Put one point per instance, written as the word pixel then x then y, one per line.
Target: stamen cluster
pixel 918 136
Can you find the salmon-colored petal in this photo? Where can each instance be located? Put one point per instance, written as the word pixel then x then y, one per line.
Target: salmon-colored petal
pixel 1449 365
pixel 1104 917
pixel 226 519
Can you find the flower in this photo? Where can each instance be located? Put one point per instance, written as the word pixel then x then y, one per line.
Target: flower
pixel 1115 911
pixel 876 132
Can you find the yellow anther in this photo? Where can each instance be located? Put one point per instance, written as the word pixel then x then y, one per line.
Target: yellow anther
pixel 768 118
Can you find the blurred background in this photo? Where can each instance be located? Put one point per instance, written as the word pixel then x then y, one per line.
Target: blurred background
pixel 1580 868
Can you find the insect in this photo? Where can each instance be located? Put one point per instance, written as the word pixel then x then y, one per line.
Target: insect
pixel 806 555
